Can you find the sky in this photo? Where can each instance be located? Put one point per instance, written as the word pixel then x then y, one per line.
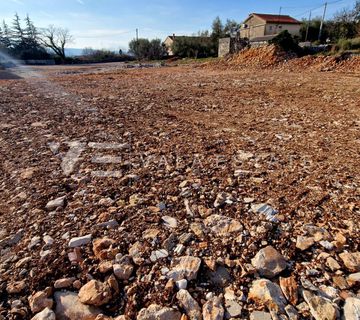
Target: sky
pixel 111 24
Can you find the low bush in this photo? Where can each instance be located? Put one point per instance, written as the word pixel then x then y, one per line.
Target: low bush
pixel 344 44
pixel 145 49
pixel 96 56
pixel 194 47
pixel 355 43
pixel 286 42
pixel 348 44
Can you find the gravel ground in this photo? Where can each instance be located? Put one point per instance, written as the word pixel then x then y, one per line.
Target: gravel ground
pixel 210 193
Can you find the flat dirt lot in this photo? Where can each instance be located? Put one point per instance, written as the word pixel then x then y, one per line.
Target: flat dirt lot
pixel 203 146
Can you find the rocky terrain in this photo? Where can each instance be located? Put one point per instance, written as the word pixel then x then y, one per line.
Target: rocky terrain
pixel 271 57
pixel 179 193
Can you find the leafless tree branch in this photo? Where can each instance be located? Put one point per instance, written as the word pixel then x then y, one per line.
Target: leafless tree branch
pixel 56 39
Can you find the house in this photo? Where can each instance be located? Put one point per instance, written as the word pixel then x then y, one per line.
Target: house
pixel 171 39
pixel 264 27
pixel 168 43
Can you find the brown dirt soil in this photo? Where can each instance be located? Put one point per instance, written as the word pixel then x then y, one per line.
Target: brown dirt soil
pixel 300 131
pixel 270 57
pixel 323 63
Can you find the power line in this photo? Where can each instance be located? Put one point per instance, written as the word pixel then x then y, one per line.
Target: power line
pixel 277 26
pixel 322 20
pixel 320 6
pixel 299 7
pixel 306 12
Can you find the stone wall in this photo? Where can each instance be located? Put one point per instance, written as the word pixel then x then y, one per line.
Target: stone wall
pixel 224 47
pixel 231 45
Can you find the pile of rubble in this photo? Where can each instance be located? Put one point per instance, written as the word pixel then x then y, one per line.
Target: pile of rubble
pixel 223 206
pixel 260 57
pixel 325 63
pixel 174 267
pixel 270 57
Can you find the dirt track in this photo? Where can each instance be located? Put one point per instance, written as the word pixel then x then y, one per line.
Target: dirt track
pixel 293 140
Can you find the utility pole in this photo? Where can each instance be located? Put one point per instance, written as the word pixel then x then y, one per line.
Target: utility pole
pixel 137 43
pixel 307 27
pixel 277 26
pixel 322 21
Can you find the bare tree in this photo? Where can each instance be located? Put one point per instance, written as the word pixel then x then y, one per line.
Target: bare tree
pixel 88 51
pixel 56 39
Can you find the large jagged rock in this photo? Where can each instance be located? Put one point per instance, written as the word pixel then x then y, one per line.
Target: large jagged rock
pixel 260 315
pixel 40 301
pixel 103 248
pixel 69 307
pixel 233 308
pixel 56 203
pixel 170 222
pixel 46 314
pixel 222 225
pixel 16 287
pixel 269 262
pixel 290 289
pixel 156 312
pixel 124 268
pixel 222 199
pixel 353 279
pixel 304 243
pixel 320 308
pixel 64 283
pixel 351 260
pixel 213 309
pixel 189 304
pixel 352 309
pixel 265 292
pixel 79 241
pixel 232 305
pixel 95 293
pixel 158 254
pixel 265 210
pixel 185 267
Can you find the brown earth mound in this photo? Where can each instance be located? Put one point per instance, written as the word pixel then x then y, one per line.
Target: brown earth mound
pixel 326 63
pixel 272 57
pixel 262 57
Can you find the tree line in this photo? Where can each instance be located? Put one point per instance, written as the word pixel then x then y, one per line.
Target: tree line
pixel 147 49
pixel 345 24
pixel 22 40
pixel 202 44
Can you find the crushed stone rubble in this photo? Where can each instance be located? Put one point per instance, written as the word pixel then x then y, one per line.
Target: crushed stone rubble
pixel 189 194
pixel 271 57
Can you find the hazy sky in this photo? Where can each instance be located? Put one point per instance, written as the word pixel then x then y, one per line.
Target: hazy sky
pixel 111 23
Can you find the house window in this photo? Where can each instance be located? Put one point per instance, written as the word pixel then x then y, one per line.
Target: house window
pixel 270 28
pixel 280 27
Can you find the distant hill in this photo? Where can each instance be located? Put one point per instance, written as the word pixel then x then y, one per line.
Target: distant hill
pixel 72 52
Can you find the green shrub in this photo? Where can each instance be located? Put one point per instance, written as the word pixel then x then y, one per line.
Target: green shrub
pixel 355 43
pixel 90 55
pixel 286 42
pixel 194 47
pixel 147 49
pixel 344 44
